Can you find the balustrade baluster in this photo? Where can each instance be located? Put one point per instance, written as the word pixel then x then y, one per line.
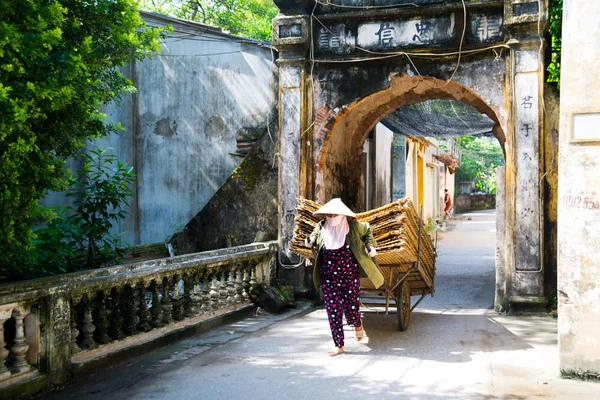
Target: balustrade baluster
pixel 231 288
pixel 19 348
pixel 246 285
pixel 4 372
pixel 88 326
pixel 238 286
pixel 74 329
pixel 205 295
pixel 100 319
pixel 115 330
pixel 214 294
pixel 143 314
pixel 177 300
pixel 128 309
pixel 223 290
pixel 253 282
pixel 189 296
pixel 156 310
pixel 167 305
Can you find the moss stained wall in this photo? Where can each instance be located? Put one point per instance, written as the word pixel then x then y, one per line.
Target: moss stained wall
pixel 242 211
pixel 550 182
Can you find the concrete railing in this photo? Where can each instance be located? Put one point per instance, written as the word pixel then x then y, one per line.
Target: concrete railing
pixel 62 326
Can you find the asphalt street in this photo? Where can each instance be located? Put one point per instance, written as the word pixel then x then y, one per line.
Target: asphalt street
pixel 456 347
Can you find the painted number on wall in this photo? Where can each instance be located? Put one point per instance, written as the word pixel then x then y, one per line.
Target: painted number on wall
pixel 583 202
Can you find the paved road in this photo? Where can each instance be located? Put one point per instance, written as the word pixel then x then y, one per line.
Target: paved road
pixel 455 348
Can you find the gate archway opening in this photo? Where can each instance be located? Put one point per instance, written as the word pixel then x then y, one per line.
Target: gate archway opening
pixel 339 166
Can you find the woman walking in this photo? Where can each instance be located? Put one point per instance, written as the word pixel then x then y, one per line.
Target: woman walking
pixel 343 246
pixel 447 204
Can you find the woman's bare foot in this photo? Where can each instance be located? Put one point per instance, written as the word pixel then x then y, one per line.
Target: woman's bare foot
pixel 359 333
pixel 336 351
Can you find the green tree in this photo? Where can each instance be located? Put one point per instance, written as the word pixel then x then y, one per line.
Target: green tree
pixel 247 18
pixel 480 158
pixel 59 64
pixel 80 237
pixel 556 11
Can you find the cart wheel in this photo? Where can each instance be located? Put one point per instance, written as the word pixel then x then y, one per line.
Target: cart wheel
pixel 403 306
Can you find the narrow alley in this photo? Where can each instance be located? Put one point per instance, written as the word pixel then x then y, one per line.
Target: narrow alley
pixel 455 348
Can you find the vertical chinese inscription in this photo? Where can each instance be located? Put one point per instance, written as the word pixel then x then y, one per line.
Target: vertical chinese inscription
pixel 527 240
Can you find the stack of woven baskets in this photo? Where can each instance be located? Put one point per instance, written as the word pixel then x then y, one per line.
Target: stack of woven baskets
pixel 395 227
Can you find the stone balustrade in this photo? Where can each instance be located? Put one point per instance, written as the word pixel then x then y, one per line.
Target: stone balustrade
pixel 57 327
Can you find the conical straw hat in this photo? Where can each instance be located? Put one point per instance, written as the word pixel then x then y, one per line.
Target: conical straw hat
pixel 334 206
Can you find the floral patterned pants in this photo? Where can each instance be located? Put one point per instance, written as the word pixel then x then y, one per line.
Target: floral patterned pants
pixel 340 278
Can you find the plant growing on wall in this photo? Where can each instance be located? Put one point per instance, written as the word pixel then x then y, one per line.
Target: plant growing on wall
pixel 59 64
pixel 556 11
pixel 82 237
pixel 101 193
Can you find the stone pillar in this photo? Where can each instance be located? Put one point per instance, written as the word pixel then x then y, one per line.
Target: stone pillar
pixel 524 199
pixel 579 189
pixel 19 347
pixel 5 314
pixel 291 37
pixel 500 296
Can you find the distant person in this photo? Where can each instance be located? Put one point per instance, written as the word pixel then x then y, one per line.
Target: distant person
pixel 447 204
pixel 343 245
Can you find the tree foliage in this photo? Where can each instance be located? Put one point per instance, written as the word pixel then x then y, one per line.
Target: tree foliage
pixel 81 237
pixel 59 64
pixel 480 158
pixel 247 18
pixel 556 11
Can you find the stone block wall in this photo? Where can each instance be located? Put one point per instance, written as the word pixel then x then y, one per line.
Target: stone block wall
pixel 471 202
pixel 578 191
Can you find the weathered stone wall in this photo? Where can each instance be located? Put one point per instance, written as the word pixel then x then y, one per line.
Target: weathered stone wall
pixel 244 209
pixel 197 101
pixel 578 192
pixel 471 202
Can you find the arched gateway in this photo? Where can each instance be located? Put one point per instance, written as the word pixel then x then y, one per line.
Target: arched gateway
pixel 347 64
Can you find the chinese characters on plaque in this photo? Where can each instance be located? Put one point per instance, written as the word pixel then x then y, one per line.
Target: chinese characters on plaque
pixel 486 28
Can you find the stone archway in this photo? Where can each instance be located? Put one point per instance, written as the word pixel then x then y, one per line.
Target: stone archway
pixel 342 141
pixel 344 65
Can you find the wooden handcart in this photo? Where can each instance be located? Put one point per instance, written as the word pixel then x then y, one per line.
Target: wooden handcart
pixel 402 280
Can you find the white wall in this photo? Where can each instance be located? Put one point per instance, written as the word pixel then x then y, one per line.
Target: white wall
pixel 578 190
pixel 411 171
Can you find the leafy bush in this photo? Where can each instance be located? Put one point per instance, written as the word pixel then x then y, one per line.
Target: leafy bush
pixel 81 237
pixel 59 64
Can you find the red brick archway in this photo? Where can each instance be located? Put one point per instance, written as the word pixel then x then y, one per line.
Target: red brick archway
pixel 339 137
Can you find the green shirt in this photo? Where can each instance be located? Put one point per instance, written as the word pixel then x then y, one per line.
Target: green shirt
pixel 358 237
